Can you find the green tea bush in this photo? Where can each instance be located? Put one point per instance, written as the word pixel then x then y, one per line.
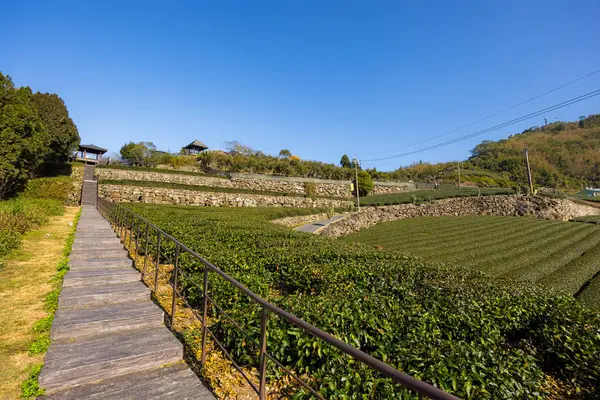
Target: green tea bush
pixel 454 328
pixel 56 188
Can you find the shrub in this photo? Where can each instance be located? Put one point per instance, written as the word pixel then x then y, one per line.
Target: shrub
pixel 310 188
pixel 365 183
pixel 56 188
pixel 9 240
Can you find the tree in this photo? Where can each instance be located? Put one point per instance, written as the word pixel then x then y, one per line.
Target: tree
pixel 345 162
pixel 285 153
pixel 237 148
pixel 365 183
pixel 23 136
pixel 63 137
pixel 138 153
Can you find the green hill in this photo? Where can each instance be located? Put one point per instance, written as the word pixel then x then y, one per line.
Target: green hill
pixel 562 155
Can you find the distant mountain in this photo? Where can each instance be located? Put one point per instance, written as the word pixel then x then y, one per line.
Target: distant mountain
pixel 562 154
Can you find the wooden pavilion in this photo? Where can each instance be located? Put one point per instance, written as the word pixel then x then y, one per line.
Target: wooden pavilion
pixel 90 153
pixel 195 147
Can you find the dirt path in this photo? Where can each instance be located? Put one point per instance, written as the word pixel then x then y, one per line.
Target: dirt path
pixel 24 283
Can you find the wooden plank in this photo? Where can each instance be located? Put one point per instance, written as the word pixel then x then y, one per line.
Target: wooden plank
pixel 174 382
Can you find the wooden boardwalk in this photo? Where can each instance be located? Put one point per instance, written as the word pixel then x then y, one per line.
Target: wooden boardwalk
pixel 108 337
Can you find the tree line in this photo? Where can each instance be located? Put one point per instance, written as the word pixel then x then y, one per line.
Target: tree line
pixel 35 128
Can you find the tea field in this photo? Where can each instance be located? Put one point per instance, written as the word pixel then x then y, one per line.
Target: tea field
pixel 421 196
pixel 471 335
pixel 561 255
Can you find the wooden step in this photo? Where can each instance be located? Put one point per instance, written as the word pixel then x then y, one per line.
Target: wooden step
pixel 108 276
pixel 97 246
pixel 97 254
pixel 82 322
pixel 173 382
pixel 91 240
pixel 96 295
pixel 78 362
pixel 106 263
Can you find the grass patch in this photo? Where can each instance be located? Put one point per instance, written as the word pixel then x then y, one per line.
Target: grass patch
pixel 25 284
pixel 162 171
pixel 198 188
pixel 422 196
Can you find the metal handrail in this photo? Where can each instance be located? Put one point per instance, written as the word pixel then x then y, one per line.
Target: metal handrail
pixel 123 219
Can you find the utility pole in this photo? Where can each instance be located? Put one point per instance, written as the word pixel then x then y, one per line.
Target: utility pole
pixel 528 171
pixel 458 162
pixel 355 161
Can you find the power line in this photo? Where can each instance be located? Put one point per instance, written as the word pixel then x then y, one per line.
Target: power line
pixel 506 109
pixel 499 126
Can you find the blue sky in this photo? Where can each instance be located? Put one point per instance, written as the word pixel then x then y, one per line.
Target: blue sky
pixel 321 78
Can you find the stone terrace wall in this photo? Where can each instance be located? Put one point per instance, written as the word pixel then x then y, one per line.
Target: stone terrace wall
pixel 539 207
pixel 290 185
pixel 136 194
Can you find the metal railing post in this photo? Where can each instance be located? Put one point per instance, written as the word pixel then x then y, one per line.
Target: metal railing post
pixel 137 236
pixel 263 354
pixel 175 273
pixel 204 314
pixel 157 262
pixel 145 251
pixel 131 230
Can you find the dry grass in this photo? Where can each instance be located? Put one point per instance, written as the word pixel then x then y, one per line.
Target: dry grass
pixel 24 283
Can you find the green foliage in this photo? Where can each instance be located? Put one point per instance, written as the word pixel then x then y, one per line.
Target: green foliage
pixel 30 389
pixel 249 161
pixel 18 216
pixel 9 241
pixel 138 153
pixel 62 132
pixel 310 188
pixel 562 154
pixel 285 153
pixel 40 345
pixel 422 196
pixel 23 136
pixel 57 188
pixel 365 183
pixel 345 162
pixel 456 328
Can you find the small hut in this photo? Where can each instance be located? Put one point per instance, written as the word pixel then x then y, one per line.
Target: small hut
pixel 195 147
pixel 90 153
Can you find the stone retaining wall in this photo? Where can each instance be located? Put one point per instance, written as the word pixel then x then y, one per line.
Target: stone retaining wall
pixel 299 220
pixel 287 185
pixel 538 207
pixel 74 197
pixel 136 194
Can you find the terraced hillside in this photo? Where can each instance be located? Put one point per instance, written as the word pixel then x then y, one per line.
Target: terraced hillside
pixel 562 255
pixel 424 319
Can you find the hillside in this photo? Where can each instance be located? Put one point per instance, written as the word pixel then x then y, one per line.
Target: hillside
pixel 562 155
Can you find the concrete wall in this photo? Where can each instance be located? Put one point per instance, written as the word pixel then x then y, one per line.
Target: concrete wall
pixel 136 194
pixel 289 185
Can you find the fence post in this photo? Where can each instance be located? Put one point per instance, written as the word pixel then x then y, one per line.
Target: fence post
pixel 137 236
pixel 131 230
pixel 145 252
pixel 157 263
pixel 263 354
pixel 175 273
pixel 204 314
